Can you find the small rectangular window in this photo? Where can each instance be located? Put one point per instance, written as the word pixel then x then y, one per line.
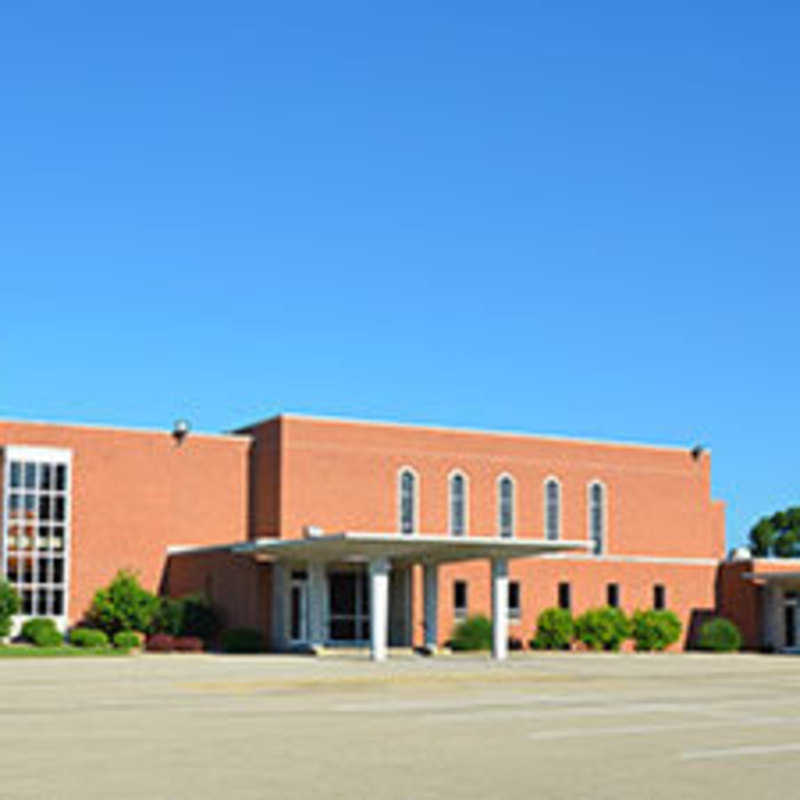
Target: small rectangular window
pixel 612 595
pixel 514 610
pixel 460 599
pixel 564 596
pixel 659 597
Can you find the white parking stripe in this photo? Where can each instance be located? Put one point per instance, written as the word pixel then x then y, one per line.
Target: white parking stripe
pixel 733 752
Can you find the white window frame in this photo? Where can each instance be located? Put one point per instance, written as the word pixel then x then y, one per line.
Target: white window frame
pixel 547 481
pixel 465 478
pixel 498 499
pixel 38 455
pixel 603 549
pixel 415 503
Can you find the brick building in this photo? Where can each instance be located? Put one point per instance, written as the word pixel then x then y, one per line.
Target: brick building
pixel 322 532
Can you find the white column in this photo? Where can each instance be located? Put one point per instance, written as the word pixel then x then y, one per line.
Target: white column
pixel 499 608
pixel 379 607
pixel 431 593
pixel 317 585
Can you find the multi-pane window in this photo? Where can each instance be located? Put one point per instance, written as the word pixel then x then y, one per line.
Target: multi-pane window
pixel 612 595
pixel 458 504
pixel 564 596
pixel 460 607
pixel 659 597
pixel 552 509
pixel 597 517
pixel 514 605
pixel 35 529
pixel 408 501
pixel 505 502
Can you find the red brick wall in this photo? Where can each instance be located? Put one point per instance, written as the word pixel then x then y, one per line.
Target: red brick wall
pixel 265 482
pixel 343 476
pixel 135 493
pixel 236 585
pixel 689 590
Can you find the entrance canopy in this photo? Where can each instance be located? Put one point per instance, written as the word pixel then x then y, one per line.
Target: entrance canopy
pixel 403 548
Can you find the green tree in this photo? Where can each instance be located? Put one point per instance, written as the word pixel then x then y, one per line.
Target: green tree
pixel 777 535
pixel 655 630
pixel 123 605
pixel 9 605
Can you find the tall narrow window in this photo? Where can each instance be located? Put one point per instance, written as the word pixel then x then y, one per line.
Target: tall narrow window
pixel 514 604
pixel 552 509
pixel 505 504
pixel 612 595
pixel 597 517
pixel 408 501
pixel 460 606
pixel 659 597
pixel 458 504
pixel 564 596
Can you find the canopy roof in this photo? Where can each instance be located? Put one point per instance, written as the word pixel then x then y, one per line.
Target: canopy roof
pixel 437 548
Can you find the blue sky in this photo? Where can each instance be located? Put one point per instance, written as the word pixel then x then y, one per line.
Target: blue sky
pixel 573 218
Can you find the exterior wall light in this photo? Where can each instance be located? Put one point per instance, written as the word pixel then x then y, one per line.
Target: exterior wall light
pixel 180 430
pixel 697 451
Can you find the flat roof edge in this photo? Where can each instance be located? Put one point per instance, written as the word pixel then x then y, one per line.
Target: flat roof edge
pixel 577 440
pixel 243 437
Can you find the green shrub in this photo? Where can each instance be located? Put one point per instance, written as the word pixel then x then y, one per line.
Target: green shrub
pixel 602 628
pixel 242 640
pixel 127 640
pixel 554 630
pixel 88 637
pixel 655 630
pixel 474 633
pixel 9 605
pixel 191 615
pixel 123 605
pixel 42 632
pixel 720 635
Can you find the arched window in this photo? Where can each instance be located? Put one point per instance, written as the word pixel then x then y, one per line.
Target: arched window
pixel 505 506
pixel 552 509
pixel 597 516
pixel 458 504
pixel 408 500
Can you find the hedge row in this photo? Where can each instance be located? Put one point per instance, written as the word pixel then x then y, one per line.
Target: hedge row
pixel 602 629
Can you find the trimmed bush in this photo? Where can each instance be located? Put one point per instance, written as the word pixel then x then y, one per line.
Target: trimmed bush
pixel 42 632
pixel 191 615
pixel 474 633
pixel 554 630
pixel 160 643
pixel 188 644
pixel 655 630
pixel 602 628
pixel 123 605
pixel 242 640
pixel 720 635
pixel 9 605
pixel 127 640
pixel 88 637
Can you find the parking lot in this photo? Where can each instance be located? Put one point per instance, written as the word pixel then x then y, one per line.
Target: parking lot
pixel 543 726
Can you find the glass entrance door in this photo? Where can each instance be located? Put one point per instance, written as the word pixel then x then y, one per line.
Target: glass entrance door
pixel 348 606
pixel 298 610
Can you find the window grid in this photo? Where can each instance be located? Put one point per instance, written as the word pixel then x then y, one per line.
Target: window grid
pixel 35 530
